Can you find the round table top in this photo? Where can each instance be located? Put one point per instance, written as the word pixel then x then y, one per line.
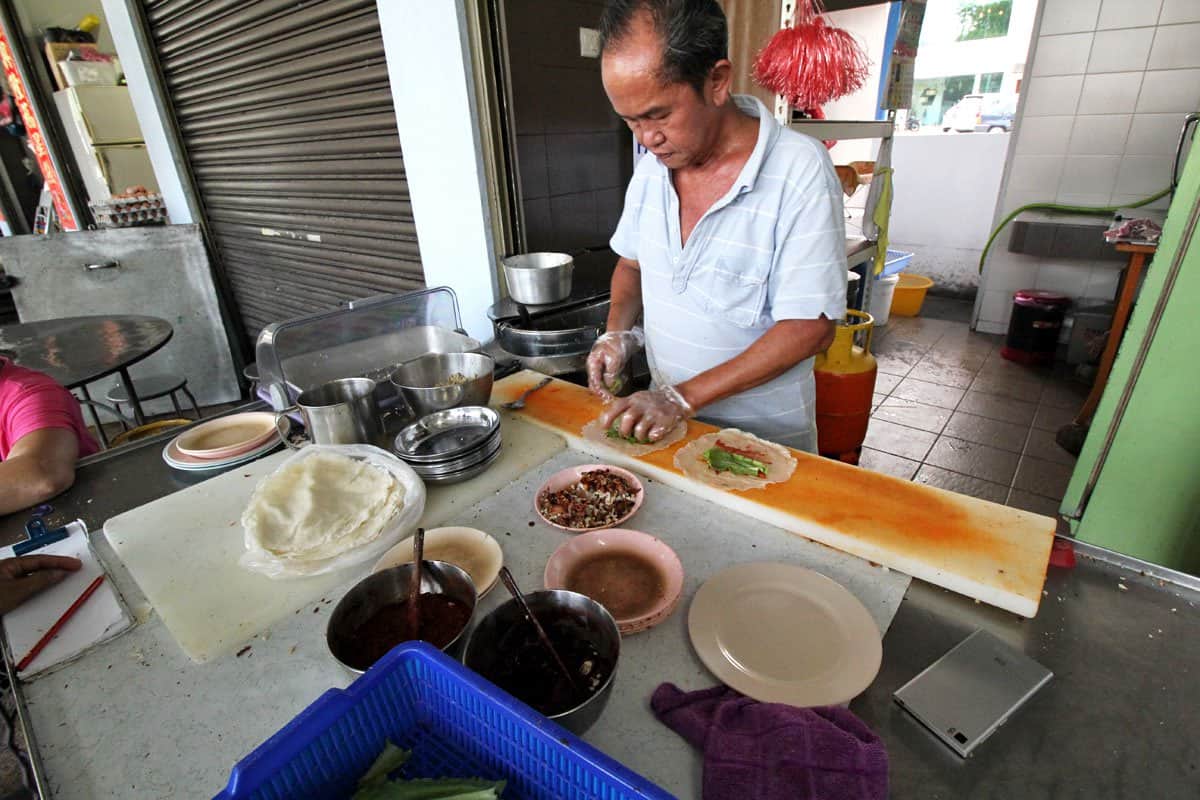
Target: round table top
pixel 79 350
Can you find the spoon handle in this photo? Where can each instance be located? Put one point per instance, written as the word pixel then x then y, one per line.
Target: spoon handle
pixel 510 583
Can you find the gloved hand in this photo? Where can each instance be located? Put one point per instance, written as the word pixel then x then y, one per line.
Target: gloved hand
pixel 609 354
pixel 648 416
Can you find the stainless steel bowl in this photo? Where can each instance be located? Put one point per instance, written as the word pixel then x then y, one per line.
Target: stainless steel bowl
pixel 559 611
pixel 538 278
pixel 425 385
pixel 392 586
pixel 460 463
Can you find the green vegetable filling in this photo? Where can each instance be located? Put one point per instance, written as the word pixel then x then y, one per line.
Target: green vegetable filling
pixel 614 432
pixel 722 460
pixel 374 785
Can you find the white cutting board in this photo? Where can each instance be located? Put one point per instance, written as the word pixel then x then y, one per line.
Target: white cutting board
pixel 99 619
pixel 183 549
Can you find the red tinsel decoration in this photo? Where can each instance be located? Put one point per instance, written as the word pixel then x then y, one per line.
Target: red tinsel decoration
pixel 811 63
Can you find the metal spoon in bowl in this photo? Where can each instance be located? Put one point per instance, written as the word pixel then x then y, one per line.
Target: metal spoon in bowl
pixel 510 583
pixel 414 590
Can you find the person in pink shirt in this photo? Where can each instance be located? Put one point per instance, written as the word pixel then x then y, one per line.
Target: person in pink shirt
pixel 42 435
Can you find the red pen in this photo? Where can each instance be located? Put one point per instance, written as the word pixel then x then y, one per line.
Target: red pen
pixel 57 626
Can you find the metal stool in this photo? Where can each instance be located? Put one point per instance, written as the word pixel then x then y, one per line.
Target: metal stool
pixel 153 386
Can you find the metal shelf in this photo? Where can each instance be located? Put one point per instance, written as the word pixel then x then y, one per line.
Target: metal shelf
pixel 844 129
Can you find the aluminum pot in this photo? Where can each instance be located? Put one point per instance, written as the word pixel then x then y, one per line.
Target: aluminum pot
pixel 392 586
pixel 425 385
pixel 567 332
pixel 538 278
pixel 559 611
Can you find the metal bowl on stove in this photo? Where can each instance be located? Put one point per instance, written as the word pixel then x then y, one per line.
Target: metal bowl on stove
pixel 440 381
pixel 539 278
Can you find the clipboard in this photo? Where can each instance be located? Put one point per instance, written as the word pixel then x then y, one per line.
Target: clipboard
pixel 101 618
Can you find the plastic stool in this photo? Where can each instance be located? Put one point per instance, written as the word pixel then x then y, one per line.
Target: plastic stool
pixel 153 386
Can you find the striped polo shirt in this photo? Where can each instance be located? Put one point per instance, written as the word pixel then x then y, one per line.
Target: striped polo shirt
pixel 773 248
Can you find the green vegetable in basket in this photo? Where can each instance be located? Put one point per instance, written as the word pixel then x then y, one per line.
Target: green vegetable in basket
pixel 374 785
pixel 722 460
pixel 614 432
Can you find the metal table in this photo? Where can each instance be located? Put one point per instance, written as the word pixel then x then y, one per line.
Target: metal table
pixel 1117 720
pixel 76 351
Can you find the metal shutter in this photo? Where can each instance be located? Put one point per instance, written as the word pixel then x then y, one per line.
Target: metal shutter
pixel 285 115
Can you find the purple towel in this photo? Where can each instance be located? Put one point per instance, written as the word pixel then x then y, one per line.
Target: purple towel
pixel 771 751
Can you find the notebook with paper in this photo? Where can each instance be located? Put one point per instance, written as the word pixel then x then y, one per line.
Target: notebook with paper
pixel 101 618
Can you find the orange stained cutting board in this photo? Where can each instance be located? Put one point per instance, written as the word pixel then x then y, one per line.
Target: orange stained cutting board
pixel 992 553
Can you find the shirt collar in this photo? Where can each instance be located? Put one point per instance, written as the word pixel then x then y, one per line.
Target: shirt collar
pixel 768 132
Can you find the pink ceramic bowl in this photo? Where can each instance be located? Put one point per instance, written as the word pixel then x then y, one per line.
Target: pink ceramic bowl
pixel 569 555
pixel 564 478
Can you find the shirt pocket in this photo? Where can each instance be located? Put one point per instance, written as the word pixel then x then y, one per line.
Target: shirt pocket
pixel 737 295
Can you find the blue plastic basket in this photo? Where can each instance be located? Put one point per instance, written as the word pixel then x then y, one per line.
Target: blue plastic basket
pixel 896 261
pixel 456 724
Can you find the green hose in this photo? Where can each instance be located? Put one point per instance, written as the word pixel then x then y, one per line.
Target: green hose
pixel 1089 210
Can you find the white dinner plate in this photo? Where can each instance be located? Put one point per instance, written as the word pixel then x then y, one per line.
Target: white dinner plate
pixel 181 461
pixel 476 552
pixel 781 633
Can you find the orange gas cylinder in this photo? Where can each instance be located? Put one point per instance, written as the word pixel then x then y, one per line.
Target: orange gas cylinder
pixel 845 376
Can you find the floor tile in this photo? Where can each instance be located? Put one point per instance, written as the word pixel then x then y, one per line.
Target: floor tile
pixel 958 359
pixel 885 383
pixel 897 356
pixel 1033 502
pixel 913 414
pixel 947 308
pixel 1041 444
pixel 974 459
pixel 1049 418
pixel 943 374
pixel 891 364
pixel 918 331
pixel 1010 387
pixel 962 484
pixel 999 368
pixel 876 400
pixel 898 440
pixel 925 392
pixel 992 432
pixel 1001 408
pixel 1064 394
pixel 1042 477
pixel 879 461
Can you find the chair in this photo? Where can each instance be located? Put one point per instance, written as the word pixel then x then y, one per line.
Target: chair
pixel 152 386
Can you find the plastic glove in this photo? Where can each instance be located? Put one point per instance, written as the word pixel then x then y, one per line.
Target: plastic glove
pixel 609 354
pixel 648 416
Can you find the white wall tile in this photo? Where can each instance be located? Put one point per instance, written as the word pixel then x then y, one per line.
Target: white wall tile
pixel 1069 16
pixel 1143 175
pixel 1063 55
pixel 1174 11
pixel 1009 275
pixel 1094 175
pixel 1044 136
pixel 1102 283
pixel 1127 13
pixel 1037 174
pixel 1160 204
pixel 1070 279
pixel 996 307
pixel 1122 50
pixel 1153 134
pixel 1015 198
pixel 1170 90
pixel 1099 134
pixel 1053 95
pixel 1176 47
pixel 1109 93
pixel 1094 199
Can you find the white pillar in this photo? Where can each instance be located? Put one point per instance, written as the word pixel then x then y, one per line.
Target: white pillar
pixel 429 67
pixel 140 74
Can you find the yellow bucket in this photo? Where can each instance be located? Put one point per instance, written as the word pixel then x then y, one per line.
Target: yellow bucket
pixel 909 295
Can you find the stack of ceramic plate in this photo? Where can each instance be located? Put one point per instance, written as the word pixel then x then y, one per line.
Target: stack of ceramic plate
pixel 224 442
pixel 452 445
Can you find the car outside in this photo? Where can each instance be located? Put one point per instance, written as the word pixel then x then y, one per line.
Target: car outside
pixel 991 113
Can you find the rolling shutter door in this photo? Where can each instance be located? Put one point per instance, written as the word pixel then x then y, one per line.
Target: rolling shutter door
pixel 286 119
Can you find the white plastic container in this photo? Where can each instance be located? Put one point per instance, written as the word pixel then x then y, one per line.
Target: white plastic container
pixel 881 298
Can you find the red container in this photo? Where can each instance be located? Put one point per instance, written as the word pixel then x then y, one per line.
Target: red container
pixel 845 378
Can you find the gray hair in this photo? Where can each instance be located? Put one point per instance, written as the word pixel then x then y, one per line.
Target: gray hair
pixel 694 33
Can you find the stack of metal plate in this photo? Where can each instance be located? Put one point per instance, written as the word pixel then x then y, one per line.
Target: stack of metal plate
pixel 452 445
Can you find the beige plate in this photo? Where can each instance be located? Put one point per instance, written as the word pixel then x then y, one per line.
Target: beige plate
pixel 227 436
pixel 475 551
pixel 780 633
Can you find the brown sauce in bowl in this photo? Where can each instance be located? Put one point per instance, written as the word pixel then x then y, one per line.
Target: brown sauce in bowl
pixel 442 619
pixel 626 583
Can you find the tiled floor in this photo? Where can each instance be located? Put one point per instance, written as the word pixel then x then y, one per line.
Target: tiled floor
pixel 950 412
